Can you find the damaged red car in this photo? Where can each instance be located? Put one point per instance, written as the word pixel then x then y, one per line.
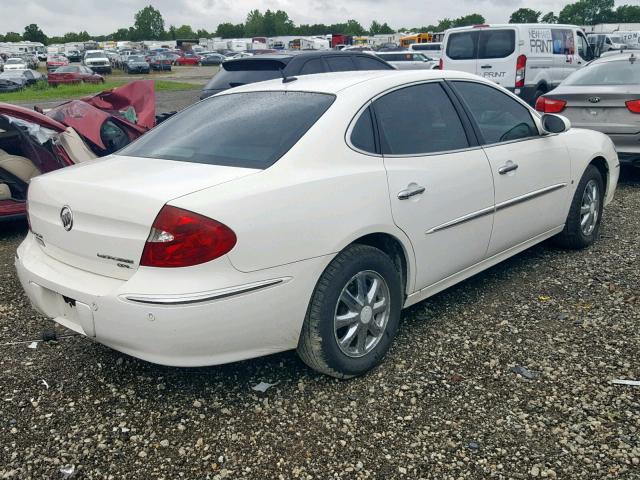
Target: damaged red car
pixel 73 74
pixel 33 142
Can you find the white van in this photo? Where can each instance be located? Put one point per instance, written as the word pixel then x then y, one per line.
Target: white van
pixel 528 59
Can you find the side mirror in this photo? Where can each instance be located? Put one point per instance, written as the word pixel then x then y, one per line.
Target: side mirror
pixel 555 123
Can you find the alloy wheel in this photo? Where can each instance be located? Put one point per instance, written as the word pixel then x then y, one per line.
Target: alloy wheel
pixel 589 208
pixel 362 313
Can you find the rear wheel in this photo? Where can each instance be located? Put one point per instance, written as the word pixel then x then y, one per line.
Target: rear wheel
pixel 583 222
pixel 354 313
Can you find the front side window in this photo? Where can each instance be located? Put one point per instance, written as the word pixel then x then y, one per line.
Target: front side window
pixel 249 130
pixel 499 117
pixel 419 120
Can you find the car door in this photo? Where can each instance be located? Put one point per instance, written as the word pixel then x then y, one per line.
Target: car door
pixel 497 55
pixel 440 184
pixel 531 172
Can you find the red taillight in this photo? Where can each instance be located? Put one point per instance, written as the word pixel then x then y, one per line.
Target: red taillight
pixel 180 238
pixel 441 64
pixel 521 67
pixel 549 105
pixel 633 106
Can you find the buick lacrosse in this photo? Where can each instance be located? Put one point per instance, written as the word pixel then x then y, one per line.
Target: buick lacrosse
pixel 306 213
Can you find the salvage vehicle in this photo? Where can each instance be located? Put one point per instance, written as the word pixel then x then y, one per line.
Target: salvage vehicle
pixel 136 64
pixel 161 62
pixel 187 59
pixel 73 74
pixel 13 80
pixel 15 63
pixel 306 212
pixel 32 142
pixel 527 59
pixel 257 68
pixel 212 59
pixel 74 56
pixel 56 61
pixel 97 61
pixel 603 96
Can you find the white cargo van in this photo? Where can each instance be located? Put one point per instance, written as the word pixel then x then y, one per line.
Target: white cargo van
pixel 528 59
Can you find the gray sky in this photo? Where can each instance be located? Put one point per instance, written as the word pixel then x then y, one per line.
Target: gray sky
pixel 99 17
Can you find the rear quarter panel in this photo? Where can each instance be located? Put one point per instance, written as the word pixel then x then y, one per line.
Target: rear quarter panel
pixel 314 201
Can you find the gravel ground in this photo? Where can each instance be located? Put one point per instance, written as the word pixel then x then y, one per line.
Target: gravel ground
pixel 445 404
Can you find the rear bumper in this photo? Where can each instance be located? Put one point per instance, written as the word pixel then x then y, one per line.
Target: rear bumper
pixel 234 316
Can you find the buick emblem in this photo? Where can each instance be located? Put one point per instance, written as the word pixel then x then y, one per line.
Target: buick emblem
pixel 593 99
pixel 66 215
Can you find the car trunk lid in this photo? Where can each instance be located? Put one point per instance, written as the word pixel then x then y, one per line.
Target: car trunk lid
pixel 110 215
pixel 601 108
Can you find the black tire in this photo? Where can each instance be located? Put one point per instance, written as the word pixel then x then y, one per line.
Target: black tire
pixel 318 346
pixel 573 236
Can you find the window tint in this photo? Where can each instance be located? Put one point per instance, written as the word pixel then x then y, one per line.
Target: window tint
pixel 462 46
pixel 583 47
pixel 362 134
pixel 340 63
pixel 497 43
pixel 251 130
pixel 240 72
pixel 419 120
pixel 367 63
pixel 313 66
pixel 499 117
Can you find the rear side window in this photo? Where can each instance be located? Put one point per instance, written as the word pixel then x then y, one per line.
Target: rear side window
pixel 362 136
pixel 251 130
pixel 313 66
pixel 463 46
pixel 499 117
pixel 419 120
pixel 240 72
pixel 340 63
pixel 497 43
pixel 368 63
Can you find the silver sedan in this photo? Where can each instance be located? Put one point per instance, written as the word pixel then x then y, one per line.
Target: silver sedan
pixel 603 96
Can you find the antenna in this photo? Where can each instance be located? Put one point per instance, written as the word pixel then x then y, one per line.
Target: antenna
pixel 286 79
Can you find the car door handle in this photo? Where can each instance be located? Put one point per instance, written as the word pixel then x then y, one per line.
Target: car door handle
pixel 486 66
pixel 412 190
pixel 507 167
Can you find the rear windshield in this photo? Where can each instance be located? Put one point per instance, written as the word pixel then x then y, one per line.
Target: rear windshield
pixel 250 130
pixel 69 69
pixel 483 44
pixel 236 73
pixel 402 57
pixel 619 72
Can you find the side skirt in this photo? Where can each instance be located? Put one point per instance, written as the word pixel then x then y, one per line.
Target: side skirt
pixel 477 268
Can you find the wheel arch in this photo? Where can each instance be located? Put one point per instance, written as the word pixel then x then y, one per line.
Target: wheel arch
pixel 401 253
pixel 603 167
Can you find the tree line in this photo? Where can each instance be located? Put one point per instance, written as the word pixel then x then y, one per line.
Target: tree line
pixel 150 25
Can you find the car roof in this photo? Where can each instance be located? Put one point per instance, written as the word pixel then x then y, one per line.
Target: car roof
pixel 618 57
pixel 512 25
pixel 333 83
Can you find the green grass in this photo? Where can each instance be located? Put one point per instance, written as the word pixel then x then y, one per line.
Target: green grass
pixel 43 91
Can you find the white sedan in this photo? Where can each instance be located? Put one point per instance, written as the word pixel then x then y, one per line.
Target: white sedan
pixel 306 213
pixel 15 63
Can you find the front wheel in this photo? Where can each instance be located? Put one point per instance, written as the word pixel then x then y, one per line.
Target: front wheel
pixel 354 313
pixel 583 222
